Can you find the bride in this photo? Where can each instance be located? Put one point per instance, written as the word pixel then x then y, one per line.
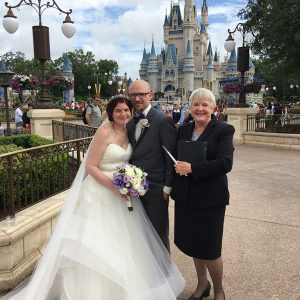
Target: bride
pixel 98 249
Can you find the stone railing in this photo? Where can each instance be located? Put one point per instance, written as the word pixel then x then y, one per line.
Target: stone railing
pixel 22 240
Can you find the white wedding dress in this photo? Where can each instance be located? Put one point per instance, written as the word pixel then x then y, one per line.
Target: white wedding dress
pixel 100 250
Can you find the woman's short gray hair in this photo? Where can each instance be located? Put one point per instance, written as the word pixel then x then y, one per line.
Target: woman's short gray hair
pixel 204 94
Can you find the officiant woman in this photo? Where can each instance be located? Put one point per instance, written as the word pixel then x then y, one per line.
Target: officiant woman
pixel 201 196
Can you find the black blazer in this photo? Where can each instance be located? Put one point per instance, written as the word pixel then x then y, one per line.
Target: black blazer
pixel 148 153
pixel 207 185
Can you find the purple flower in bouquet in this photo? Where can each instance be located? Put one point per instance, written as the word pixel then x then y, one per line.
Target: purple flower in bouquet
pixel 131 181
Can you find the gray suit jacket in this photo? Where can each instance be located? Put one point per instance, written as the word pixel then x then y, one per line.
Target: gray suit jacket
pixel 148 153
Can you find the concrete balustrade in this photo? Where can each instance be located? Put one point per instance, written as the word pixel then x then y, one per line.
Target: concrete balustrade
pixel 22 240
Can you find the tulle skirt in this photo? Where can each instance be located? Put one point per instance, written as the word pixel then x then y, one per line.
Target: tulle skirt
pixel 106 253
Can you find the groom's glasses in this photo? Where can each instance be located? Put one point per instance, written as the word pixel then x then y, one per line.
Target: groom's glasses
pixel 140 95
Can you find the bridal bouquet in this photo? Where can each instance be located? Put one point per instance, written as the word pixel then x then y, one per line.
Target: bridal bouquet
pixel 131 181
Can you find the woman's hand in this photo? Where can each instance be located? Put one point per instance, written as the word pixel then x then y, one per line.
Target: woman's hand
pixel 183 168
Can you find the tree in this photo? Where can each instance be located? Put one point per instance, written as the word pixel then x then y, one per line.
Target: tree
pixel 86 69
pixel 276 41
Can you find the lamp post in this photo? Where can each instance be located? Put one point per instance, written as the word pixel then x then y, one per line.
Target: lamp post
pixel 242 58
pixel 122 85
pixel 41 44
pixel 274 91
pixel 294 88
pixel 89 88
pixel 5 78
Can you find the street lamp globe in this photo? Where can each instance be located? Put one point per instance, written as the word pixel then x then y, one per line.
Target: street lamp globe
pixel 274 88
pixel 109 82
pixel 229 44
pixel 10 22
pixel 291 86
pixel 68 28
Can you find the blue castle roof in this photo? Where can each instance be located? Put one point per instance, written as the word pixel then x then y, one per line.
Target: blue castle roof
pixel 153 53
pixel 171 50
pixel 145 58
pixel 209 49
pixel 210 65
pixel 189 53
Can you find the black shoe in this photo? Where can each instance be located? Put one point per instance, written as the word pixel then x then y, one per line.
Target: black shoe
pixel 205 293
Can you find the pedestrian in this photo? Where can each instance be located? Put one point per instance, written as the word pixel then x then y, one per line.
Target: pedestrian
pixel 93 113
pixel 148 132
pixel 18 115
pixel 200 192
pixel 26 119
pixel 176 113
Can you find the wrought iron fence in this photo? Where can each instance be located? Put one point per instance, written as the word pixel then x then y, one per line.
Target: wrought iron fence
pixel 285 123
pixel 31 175
pixel 15 131
pixel 64 131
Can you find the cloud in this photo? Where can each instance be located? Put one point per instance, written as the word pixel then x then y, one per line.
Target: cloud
pixel 113 29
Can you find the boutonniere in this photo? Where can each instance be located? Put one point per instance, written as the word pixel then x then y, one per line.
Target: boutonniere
pixel 144 123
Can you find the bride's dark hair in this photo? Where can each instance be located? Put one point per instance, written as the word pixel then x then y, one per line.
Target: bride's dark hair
pixel 114 102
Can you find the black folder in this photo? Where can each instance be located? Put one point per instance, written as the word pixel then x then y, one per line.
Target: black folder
pixel 192 151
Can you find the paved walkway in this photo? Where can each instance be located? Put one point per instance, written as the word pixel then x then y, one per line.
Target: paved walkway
pixel 261 245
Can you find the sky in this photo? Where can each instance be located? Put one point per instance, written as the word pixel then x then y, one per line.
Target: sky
pixel 115 29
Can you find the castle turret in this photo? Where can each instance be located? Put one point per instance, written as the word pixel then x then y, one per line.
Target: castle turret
pixel 210 70
pixel 204 14
pixel 152 69
pixel 190 25
pixel 188 69
pixel 144 63
pixel 68 95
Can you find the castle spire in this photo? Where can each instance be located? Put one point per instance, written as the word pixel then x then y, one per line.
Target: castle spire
pixel 204 14
pixel 153 53
pixel 166 23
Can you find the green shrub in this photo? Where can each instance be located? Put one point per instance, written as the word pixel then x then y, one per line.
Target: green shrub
pixel 9 148
pixel 25 140
pixel 34 177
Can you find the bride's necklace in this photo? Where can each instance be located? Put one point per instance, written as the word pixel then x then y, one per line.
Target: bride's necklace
pixel 121 133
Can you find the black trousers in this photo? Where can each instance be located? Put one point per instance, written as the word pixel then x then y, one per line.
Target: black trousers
pixel 156 208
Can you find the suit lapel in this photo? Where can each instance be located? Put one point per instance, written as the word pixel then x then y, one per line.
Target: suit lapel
pixel 149 117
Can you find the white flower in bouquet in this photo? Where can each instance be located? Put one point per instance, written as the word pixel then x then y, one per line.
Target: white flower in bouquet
pixel 131 181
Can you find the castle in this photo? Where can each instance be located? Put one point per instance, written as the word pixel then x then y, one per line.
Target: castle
pixel 187 60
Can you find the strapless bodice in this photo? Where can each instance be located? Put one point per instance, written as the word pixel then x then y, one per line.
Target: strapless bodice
pixel 115 156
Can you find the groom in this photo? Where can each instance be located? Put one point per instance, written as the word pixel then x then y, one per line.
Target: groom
pixel 148 131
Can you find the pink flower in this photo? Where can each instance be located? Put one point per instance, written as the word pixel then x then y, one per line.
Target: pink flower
pixel 144 123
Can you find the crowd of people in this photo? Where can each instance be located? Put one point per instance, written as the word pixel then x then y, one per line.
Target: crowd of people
pixel 99 250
